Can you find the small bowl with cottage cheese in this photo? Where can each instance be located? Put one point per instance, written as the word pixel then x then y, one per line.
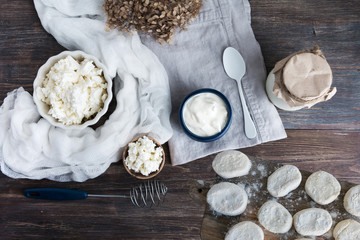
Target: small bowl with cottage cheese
pixel 143 157
pixel 205 115
pixel 72 90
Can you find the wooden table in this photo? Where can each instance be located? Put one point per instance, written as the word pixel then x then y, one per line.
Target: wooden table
pixel 325 137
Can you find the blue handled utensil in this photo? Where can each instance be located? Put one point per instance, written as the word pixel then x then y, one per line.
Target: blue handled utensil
pixel 145 194
pixel 55 194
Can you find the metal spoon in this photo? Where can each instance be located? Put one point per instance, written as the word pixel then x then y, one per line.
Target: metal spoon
pixel 235 68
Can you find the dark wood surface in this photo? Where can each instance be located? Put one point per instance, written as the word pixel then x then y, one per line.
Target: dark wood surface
pixel 215 226
pixel 325 137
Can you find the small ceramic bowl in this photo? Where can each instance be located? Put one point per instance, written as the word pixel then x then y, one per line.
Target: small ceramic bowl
pixel 207 138
pixel 138 175
pixel 43 108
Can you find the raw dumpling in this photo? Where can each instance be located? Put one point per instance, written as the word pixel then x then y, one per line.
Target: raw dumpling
pixel 227 198
pixel 275 217
pixel 322 187
pixel 312 222
pixel 352 201
pixel 245 231
pixel 346 230
pixel 284 180
pixel 231 163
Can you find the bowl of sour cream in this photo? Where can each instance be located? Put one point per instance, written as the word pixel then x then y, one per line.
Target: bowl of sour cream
pixel 205 115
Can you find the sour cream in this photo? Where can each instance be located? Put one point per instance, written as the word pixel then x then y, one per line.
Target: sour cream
pixel 205 114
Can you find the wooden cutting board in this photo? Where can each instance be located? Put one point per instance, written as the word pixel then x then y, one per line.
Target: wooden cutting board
pixel 215 226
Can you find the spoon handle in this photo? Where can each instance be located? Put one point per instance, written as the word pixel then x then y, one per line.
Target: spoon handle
pixel 250 130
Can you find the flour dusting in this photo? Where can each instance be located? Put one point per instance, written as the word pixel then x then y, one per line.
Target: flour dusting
pixel 262 169
pixel 334 215
pixel 201 182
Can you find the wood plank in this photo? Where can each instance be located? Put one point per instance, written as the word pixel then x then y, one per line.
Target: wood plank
pixel 301 24
pixel 98 218
pixel 334 151
pixel 215 226
pixel 180 217
pixel 24 46
pixel 284 27
pixel 332 24
pixel 281 27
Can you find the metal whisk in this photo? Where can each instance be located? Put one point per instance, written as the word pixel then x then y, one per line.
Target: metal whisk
pixel 150 193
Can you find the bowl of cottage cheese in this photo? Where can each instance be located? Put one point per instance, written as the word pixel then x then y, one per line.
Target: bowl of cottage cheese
pixel 72 90
pixel 143 157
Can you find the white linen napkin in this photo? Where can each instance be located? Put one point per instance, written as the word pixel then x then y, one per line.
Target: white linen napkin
pixel 194 61
pixel 31 148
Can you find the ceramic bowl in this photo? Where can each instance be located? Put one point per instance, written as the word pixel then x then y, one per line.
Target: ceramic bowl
pixel 207 138
pixel 43 108
pixel 138 174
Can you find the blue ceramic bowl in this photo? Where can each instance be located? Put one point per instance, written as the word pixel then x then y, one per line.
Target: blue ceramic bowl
pixel 207 138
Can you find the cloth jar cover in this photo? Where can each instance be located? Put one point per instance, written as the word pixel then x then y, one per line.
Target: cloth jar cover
pixel 303 78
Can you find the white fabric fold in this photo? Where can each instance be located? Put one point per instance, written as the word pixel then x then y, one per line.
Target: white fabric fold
pixel 32 148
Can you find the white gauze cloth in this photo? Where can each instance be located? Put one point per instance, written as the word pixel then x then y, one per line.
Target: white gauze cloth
pixel 32 148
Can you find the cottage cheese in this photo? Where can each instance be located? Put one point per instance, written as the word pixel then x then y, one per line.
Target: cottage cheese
pixel 75 91
pixel 144 156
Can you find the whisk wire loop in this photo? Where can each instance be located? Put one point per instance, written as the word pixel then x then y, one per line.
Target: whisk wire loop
pixel 152 192
pixel 144 194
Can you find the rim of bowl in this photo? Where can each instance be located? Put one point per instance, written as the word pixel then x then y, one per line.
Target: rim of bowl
pixel 139 175
pixel 43 107
pixel 215 136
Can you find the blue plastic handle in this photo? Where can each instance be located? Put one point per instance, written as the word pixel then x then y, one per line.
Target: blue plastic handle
pixel 55 194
